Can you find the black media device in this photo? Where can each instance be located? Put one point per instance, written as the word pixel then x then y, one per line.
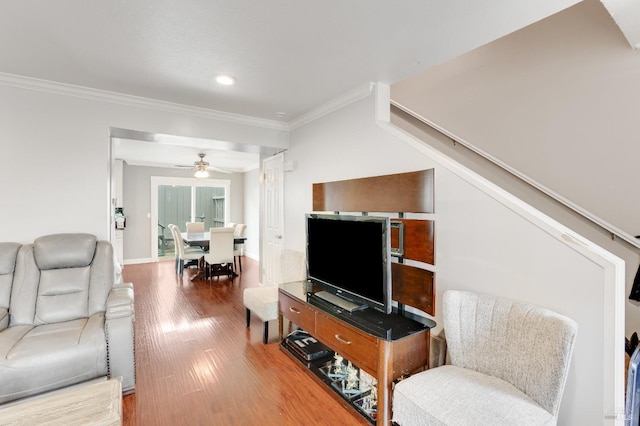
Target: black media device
pixel 350 256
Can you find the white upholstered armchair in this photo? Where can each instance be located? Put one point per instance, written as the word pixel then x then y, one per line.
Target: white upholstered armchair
pixel 509 364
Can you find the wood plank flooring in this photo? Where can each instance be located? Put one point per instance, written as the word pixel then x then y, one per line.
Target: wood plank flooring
pixel 198 364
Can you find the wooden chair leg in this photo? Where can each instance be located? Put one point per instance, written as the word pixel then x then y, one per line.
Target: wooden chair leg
pixel 240 262
pixel 248 318
pixel 265 336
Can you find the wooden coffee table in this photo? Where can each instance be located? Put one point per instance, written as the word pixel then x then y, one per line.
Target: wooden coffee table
pixel 95 403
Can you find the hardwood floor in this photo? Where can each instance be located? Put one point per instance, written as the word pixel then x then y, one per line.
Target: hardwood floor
pixel 198 364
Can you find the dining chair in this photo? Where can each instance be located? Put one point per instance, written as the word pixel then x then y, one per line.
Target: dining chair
pixel 190 254
pixel 219 260
pixel 239 231
pixel 195 227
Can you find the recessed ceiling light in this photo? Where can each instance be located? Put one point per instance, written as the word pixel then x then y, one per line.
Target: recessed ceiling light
pixel 225 79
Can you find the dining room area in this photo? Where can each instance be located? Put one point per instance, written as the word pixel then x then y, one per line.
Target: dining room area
pixel 155 197
pixel 215 252
pixel 156 183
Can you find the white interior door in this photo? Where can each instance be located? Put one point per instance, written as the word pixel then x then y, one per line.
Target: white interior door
pixel 273 234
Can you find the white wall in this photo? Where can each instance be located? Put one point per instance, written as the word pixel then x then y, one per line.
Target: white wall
pixel 485 241
pixel 344 145
pixel 54 158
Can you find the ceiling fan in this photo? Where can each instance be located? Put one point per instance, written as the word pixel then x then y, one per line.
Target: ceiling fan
pixel 202 167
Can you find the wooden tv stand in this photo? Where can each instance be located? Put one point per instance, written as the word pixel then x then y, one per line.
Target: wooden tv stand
pixel 385 346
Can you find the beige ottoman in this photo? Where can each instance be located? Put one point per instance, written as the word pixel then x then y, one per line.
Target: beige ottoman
pixel 263 302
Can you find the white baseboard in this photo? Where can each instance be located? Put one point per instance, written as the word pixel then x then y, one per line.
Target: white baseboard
pixel 252 256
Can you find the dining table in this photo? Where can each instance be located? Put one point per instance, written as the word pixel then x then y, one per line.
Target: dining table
pixel 201 239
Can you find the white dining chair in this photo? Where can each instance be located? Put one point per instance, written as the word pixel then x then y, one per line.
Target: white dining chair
pixel 239 231
pixel 195 227
pixel 219 260
pixel 189 254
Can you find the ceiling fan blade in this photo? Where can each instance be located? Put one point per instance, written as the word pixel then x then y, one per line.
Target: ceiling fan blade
pixel 217 169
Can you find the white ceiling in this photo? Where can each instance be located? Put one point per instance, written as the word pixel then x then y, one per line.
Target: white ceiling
pixel 288 56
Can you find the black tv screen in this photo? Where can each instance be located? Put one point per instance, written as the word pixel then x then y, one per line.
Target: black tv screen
pixel 350 256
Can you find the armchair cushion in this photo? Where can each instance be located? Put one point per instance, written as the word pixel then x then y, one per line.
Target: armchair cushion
pixel 457 395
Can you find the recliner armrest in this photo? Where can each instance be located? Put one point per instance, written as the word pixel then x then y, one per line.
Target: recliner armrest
pixel 120 301
pixel 119 318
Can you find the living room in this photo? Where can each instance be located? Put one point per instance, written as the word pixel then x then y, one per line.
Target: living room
pixel 487 240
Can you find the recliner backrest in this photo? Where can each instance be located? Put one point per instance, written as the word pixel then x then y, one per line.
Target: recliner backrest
pixel 8 254
pixel 527 346
pixel 61 277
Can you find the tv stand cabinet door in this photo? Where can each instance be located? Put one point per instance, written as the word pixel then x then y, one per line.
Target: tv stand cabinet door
pixel 298 312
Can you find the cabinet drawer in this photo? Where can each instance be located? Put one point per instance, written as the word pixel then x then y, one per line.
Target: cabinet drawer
pixel 298 313
pixel 353 344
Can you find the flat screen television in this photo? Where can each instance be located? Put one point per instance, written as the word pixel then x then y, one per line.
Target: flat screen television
pixel 350 257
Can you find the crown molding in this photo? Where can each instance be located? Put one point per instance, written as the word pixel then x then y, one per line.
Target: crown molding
pixel 335 104
pixel 64 89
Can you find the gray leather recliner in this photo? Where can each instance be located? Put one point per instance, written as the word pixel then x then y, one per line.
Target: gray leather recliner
pixel 63 318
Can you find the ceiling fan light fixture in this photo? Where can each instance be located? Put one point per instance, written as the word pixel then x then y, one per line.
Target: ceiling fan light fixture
pixel 201 173
pixel 201 167
pixel 225 79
